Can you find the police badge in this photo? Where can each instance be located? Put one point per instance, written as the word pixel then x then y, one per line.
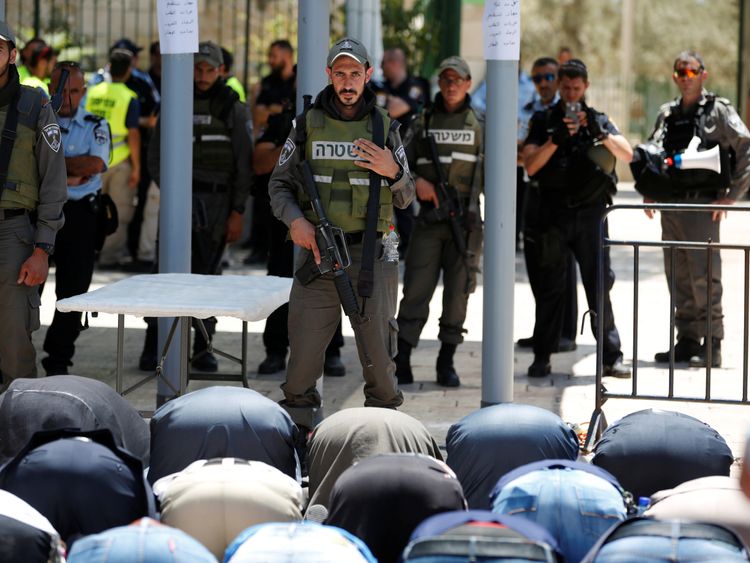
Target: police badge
pixel 286 152
pixel 52 136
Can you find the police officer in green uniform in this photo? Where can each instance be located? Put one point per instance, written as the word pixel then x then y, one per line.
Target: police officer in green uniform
pixel 459 135
pixel 32 180
pixel 337 138
pixel 222 174
pixel 699 113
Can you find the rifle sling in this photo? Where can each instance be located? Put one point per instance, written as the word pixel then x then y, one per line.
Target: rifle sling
pixel 366 282
pixel 8 140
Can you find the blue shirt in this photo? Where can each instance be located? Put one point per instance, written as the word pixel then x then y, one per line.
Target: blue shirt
pixel 529 110
pixel 85 134
pixel 526 94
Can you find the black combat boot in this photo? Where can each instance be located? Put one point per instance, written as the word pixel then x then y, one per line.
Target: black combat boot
pixel 403 363
pixel 699 360
pixel 446 373
pixel 685 349
pixel 333 366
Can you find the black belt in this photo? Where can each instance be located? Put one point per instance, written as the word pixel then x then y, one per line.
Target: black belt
pixel 357 237
pixel 708 196
pixel 680 530
pixel 8 213
pixel 210 187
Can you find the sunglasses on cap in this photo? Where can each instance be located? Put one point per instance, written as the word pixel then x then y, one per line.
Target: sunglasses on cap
pixel 687 72
pixel 67 64
pixel 548 76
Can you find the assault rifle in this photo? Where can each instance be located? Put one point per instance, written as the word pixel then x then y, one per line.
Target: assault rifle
pixel 450 209
pixel 334 257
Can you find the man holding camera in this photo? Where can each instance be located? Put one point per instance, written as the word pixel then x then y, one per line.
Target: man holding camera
pixel 712 119
pixel 570 151
pixel 353 170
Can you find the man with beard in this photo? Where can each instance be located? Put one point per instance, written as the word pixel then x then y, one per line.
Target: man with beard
pixel 87 142
pixel 222 174
pixel 359 167
pixel 277 90
pixel 32 176
pixel 277 94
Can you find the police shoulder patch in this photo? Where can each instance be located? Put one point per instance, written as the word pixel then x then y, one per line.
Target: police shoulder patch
pixel 401 159
pixel 736 123
pixel 286 152
pixel 101 135
pixel 52 136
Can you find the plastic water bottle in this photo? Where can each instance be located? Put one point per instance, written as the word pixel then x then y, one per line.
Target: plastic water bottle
pixel 643 504
pixel 390 246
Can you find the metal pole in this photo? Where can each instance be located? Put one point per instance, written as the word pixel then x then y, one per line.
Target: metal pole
pixel 37 18
pixel 743 56
pixel 626 61
pixel 499 236
pixel 176 174
pixel 246 48
pixel 313 39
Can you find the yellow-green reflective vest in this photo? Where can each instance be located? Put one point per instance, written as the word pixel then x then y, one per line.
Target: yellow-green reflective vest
pixel 236 85
pixel 23 73
pixel 111 100
pixel 21 189
pixel 459 139
pixel 34 82
pixel 344 187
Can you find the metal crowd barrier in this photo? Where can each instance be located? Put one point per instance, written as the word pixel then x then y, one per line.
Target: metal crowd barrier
pixel 598 421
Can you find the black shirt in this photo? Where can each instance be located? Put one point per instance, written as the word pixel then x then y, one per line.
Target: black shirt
pixel 414 91
pixel 276 90
pixel 541 126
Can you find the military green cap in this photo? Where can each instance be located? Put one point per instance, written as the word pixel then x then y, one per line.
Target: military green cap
pixel 209 52
pixel 457 64
pixel 6 34
pixel 349 47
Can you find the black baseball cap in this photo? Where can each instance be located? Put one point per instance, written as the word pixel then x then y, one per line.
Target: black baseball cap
pixel 127 45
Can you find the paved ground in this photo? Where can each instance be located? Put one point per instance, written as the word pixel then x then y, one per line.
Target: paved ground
pixel 568 392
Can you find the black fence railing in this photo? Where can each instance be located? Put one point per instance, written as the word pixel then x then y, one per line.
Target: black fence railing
pixel 598 421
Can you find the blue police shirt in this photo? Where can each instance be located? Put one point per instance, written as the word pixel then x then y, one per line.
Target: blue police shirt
pixel 81 136
pixel 528 111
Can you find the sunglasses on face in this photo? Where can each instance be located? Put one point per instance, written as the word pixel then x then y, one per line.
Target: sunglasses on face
pixel 450 81
pixel 539 78
pixel 687 72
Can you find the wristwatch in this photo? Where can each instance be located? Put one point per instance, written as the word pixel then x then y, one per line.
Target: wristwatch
pixel 48 248
pixel 399 175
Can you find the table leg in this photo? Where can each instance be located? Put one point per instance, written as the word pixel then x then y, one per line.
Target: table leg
pixel 185 355
pixel 120 352
pixel 244 354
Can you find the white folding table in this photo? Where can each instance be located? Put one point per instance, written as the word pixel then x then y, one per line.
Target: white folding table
pixel 184 296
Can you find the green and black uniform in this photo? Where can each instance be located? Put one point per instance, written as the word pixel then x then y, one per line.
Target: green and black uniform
pixel 36 184
pixel 715 122
pixel 459 136
pixel 222 175
pixel 314 309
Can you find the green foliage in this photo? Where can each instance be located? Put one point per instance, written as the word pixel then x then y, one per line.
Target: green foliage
pixel 408 28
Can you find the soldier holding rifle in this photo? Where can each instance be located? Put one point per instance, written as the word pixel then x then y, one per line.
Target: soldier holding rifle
pixel 340 173
pixel 447 154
